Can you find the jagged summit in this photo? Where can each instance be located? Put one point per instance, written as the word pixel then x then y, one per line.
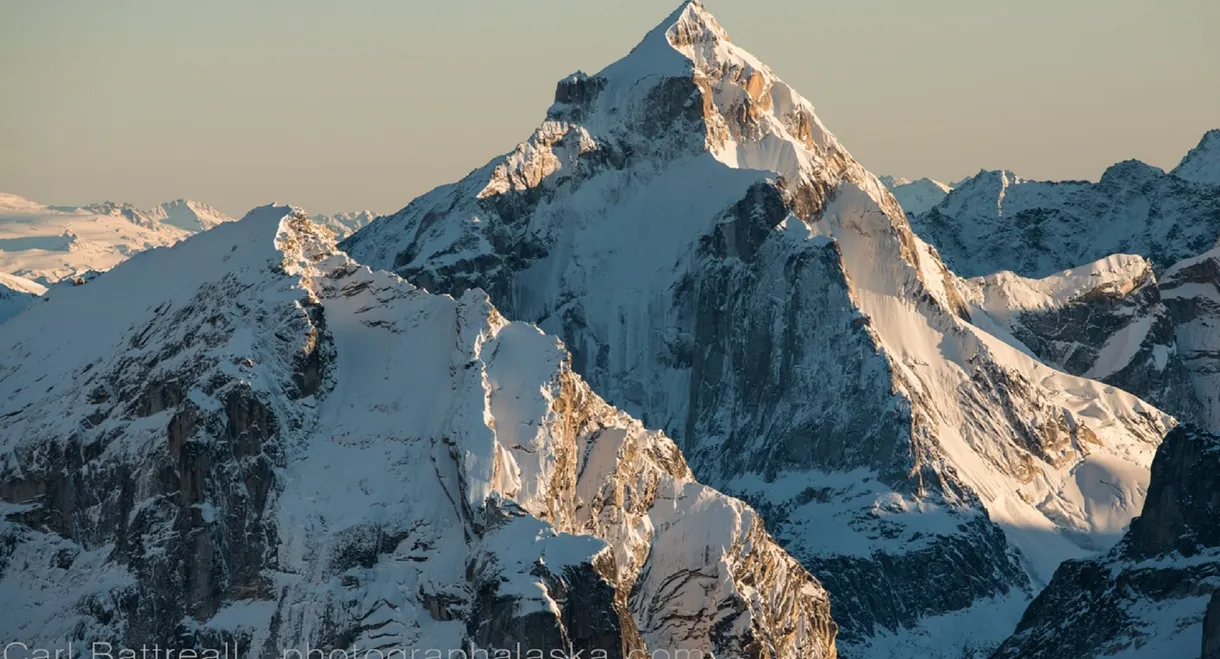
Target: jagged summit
pixel 1202 163
pixel 687 80
pixel 721 266
pixel 688 25
pixel 691 22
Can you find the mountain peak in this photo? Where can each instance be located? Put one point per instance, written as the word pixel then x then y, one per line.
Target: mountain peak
pixel 691 22
pixel 1130 171
pixel 685 90
pixel 916 196
pixel 1202 163
pixel 191 215
pixel 15 203
pixel 666 50
pixel 649 222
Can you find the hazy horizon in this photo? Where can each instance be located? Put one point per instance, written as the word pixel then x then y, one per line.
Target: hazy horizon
pixel 341 107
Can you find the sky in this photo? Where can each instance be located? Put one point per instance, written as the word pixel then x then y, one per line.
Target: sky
pixel 338 106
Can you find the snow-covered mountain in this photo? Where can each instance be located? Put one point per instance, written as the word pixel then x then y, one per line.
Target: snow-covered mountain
pixel 720 266
pixel 1117 321
pixel 1202 164
pixel 185 214
pixel 16 293
pixel 1143 318
pixel 1109 320
pixel 49 243
pixel 249 438
pixel 1156 594
pixel 345 224
pixel 998 221
pixel 918 196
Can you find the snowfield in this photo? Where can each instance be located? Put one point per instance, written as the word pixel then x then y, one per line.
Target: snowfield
pixel 48 243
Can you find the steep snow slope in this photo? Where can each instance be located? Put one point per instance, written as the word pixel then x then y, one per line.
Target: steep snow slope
pixel 998 221
pixel 16 293
pixel 258 441
pixel 1148 597
pixel 918 196
pixel 1144 326
pixel 720 265
pixel 1105 320
pixel 1202 164
pixel 48 243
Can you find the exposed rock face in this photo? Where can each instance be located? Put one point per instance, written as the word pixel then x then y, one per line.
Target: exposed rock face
pixel 1191 291
pixel 1148 596
pixel 1117 321
pixel 1211 629
pixel 998 221
pixel 267 444
pixel 719 265
pixel 1105 320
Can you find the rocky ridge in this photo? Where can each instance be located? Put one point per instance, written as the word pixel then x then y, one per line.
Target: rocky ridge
pixel 998 221
pixel 273 446
pixel 1110 320
pixel 720 266
pixel 1143 320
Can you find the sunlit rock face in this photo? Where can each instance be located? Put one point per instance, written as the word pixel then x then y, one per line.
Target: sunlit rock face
pixel 720 266
pixel 260 444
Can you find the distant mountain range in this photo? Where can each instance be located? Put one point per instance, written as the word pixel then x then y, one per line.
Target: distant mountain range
pixel 1117 280
pixel 49 243
pixel 916 196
